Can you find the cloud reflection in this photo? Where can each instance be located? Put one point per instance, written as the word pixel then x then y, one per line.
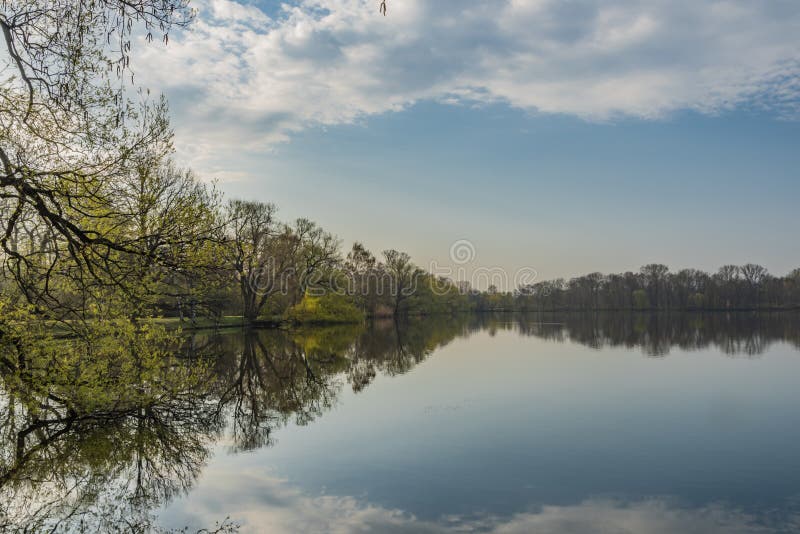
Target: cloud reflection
pixel 271 504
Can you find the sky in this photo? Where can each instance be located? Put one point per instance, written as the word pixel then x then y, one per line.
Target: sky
pixel 558 136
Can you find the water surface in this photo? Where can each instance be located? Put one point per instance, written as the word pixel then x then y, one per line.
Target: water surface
pixel 510 423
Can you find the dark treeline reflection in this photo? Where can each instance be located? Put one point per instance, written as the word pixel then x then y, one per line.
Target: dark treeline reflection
pixel 105 449
pixel 735 334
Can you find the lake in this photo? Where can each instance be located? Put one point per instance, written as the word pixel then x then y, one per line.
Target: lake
pixel 478 423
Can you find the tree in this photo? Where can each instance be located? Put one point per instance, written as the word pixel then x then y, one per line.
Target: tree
pixel 166 219
pixel 260 250
pixel 68 128
pixel 176 218
pixel 687 284
pixel 655 275
pixel 728 277
pixel 402 274
pixel 753 274
pixel 360 267
pixel 791 287
pixel 315 255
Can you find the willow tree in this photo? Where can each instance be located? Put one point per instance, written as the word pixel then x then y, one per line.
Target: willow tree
pixel 71 117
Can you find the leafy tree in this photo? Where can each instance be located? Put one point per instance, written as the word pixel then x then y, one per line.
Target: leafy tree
pixel 402 278
pixel 261 250
pixel 68 129
pixel 362 274
pixel 314 258
pixel 655 278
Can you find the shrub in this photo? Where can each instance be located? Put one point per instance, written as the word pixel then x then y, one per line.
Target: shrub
pixel 329 308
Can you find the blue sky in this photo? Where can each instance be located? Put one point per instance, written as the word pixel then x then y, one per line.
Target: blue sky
pixel 564 136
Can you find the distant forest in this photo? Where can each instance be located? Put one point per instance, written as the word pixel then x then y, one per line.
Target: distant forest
pixel 654 287
pixel 173 247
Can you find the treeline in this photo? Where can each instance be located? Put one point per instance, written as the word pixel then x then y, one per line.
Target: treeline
pixel 654 287
pixel 172 246
pixel 165 243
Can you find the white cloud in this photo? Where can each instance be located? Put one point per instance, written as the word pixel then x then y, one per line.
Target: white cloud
pixel 230 11
pixel 243 80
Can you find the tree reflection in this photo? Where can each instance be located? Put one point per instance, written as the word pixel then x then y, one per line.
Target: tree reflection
pixel 267 378
pixel 735 334
pixel 98 434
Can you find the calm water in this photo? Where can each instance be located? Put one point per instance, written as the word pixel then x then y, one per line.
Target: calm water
pixel 577 423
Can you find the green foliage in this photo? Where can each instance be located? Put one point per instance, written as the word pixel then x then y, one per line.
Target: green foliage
pixel 434 296
pixel 329 308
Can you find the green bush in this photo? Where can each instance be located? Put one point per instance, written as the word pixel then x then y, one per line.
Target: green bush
pixel 329 308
